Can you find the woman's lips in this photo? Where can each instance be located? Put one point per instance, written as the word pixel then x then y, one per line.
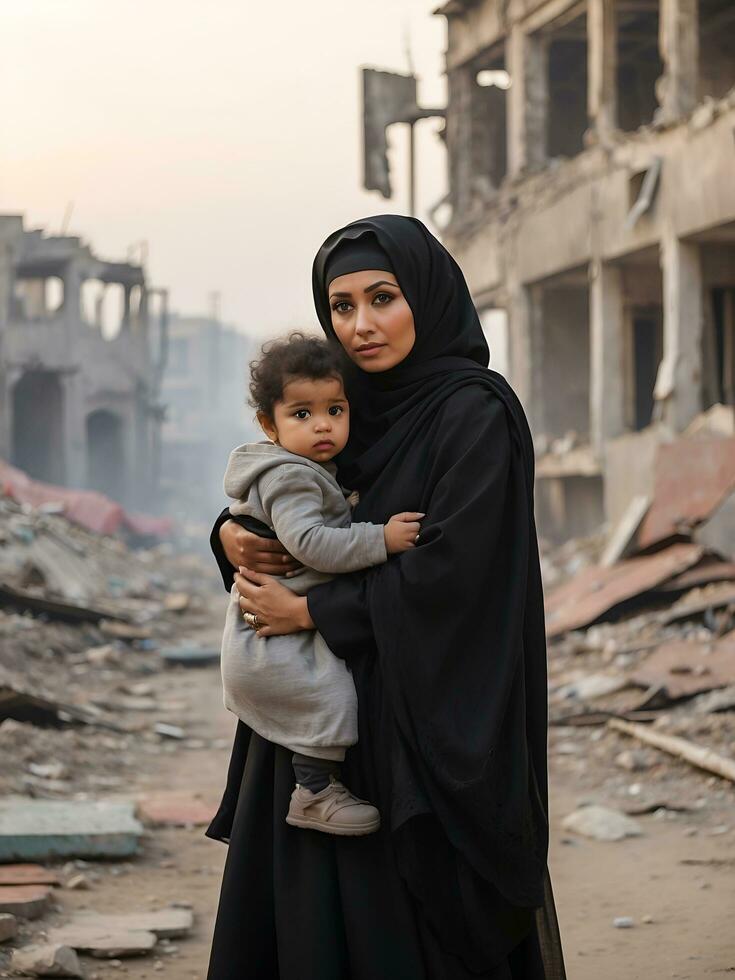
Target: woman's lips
pixel 370 351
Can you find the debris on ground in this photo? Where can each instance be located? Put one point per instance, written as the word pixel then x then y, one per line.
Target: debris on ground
pixel 641 653
pixel 48 960
pixel 601 823
pixel 123 934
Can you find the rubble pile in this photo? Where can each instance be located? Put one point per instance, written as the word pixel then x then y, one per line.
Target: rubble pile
pixel 642 652
pixel 83 620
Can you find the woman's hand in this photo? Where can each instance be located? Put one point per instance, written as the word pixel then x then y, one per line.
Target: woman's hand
pixel 265 555
pixel 278 608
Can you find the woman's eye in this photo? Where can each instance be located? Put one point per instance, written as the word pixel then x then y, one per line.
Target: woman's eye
pixel 302 413
pixel 341 307
pixel 382 298
pixel 336 410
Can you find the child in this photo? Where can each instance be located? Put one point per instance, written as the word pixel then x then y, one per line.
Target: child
pixel 292 689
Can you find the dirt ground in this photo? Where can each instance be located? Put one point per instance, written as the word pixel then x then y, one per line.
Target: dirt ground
pixel 690 905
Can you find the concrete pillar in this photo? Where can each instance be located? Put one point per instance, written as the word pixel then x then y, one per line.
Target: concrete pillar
pixel 75 431
pixel 459 127
pixel 73 294
pixel 125 325
pixel 527 101
pixel 679 46
pixel 678 386
pixel 602 67
pixel 143 311
pixel 607 387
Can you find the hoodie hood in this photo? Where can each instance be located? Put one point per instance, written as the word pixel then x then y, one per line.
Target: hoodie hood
pixel 247 463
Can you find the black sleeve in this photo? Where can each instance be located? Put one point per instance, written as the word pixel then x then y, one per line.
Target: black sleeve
pixel 341 612
pixel 251 524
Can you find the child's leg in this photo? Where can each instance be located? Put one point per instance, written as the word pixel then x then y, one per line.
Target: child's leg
pixel 313 774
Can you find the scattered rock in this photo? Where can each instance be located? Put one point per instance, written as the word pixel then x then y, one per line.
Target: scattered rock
pixel 169 731
pixel 25 901
pixel 601 823
pixel 50 960
pixel 634 760
pixel 79 882
pixel 8 926
pixel 623 922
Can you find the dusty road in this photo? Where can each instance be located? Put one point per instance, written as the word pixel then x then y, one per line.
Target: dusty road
pixel 691 905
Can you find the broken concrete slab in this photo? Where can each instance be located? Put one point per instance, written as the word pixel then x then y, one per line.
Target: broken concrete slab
pixel 38 829
pixel 104 940
pixel 24 706
pixel 601 823
pixel 8 926
pixel 27 874
pixel 124 934
pixel 595 592
pixel 592 686
pixel 718 531
pixel 682 669
pixel 620 542
pixel 48 960
pixel 25 901
pixel 65 612
pixel 703 573
pixel 692 479
pixel 175 810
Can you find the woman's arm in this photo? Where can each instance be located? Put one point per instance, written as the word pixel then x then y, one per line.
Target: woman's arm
pixel 235 543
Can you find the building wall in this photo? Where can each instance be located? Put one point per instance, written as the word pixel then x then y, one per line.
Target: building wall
pixel 204 391
pixel 59 365
pixel 614 218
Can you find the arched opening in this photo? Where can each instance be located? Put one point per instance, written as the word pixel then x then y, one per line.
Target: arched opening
pixel 105 454
pixel 38 437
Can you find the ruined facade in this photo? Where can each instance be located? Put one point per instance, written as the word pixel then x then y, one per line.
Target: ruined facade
pixel 592 185
pixel 204 390
pixel 79 366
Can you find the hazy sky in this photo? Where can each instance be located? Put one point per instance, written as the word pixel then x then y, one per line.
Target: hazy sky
pixel 226 133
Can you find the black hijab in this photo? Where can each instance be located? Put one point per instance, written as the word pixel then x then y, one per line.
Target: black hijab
pixel 457 621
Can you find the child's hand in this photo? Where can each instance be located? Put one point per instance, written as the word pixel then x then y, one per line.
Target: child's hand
pixel 354 499
pixel 401 531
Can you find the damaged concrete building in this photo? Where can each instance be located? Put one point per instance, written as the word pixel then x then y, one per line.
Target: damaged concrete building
pixel 204 388
pixel 80 364
pixel 592 186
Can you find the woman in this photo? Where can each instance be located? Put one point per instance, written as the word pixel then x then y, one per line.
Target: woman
pixel 446 646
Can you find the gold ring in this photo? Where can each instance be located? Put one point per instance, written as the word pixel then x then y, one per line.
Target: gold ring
pixel 417 536
pixel 252 620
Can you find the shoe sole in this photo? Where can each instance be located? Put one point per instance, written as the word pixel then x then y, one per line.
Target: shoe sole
pixel 354 831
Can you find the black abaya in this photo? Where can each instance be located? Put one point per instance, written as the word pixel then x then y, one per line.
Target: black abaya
pixel 446 646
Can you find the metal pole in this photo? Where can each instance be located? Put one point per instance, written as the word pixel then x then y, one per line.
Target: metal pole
pixel 411 170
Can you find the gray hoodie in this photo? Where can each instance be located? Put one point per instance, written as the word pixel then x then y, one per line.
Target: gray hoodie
pixel 306 507
pixel 292 689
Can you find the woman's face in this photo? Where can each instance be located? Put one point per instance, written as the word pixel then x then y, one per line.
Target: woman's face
pixel 372 319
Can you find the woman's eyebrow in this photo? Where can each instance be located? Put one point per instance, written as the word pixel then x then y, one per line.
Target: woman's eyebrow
pixel 381 282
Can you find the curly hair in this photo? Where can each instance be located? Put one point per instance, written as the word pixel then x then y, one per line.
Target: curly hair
pixel 296 356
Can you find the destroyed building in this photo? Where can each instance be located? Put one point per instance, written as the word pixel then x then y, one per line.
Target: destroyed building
pixel 204 390
pixel 592 192
pixel 79 364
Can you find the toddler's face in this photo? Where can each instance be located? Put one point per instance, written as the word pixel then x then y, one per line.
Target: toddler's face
pixel 311 420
